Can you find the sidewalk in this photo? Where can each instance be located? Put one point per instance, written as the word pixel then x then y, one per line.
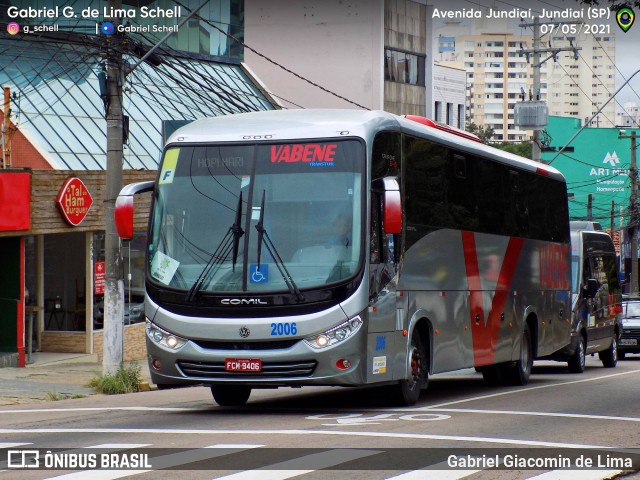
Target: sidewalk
pixel 53 376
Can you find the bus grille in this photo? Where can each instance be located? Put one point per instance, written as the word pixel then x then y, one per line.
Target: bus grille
pixel 266 345
pixel 303 368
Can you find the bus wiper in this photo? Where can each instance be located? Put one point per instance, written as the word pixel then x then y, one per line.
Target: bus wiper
pixel 263 236
pixel 229 244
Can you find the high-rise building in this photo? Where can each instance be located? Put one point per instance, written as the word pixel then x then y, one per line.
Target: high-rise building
pixel 498 75
pixel 499 69
pixel 580 82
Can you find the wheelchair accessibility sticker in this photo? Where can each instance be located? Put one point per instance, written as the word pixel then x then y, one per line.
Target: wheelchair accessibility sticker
pixel 258 275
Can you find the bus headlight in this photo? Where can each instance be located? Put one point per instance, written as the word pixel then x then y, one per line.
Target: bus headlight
pixel 335 335
pixel 164 338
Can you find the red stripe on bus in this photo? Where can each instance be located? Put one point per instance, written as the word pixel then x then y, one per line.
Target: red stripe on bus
pixel 485 336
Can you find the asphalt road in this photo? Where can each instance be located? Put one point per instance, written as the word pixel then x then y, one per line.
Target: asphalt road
pixel 455 431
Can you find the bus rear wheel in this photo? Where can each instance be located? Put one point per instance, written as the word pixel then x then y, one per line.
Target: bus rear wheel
pixel 519 373
pixel 230 395
pixel 407 392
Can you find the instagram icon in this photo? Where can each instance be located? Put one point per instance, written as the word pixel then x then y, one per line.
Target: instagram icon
pixel 13 28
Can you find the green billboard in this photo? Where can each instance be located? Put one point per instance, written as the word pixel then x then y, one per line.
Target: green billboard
pixel 596 163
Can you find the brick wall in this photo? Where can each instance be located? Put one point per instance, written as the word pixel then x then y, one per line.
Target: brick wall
pixel 74 342
pixel 23 153
pixel 63 342
pixel 134 343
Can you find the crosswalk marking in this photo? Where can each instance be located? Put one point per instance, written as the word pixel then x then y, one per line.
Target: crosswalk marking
pixel 435 475
pixel 12 445
pixel 573 474
pixel 438 471
pixel 287 469
pixel 301 465
pixel 164 461
pixel 4 463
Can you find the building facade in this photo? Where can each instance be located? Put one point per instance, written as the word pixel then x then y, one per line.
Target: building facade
pixel 55 105
pixel 581 81
pixel 499 72
pixel 373 54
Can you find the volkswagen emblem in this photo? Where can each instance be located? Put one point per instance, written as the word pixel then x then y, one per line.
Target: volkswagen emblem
pixel 244 332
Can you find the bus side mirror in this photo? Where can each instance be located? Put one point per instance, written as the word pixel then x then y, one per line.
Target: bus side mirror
pixel 123 212
pixel 592 288
pixel 392 206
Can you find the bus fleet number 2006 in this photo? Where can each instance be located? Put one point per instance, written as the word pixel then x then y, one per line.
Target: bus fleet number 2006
pixel 280 329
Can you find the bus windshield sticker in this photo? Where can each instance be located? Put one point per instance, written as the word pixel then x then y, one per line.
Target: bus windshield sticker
pixel 259 274
pixel 169 166
pixel 315 154
pixel 163 267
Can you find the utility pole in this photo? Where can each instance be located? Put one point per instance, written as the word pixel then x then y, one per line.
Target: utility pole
pixel 590 207
pixel 535 150
pixel 537 64
pixel 6 130
pixel 633 207
pixel 114 284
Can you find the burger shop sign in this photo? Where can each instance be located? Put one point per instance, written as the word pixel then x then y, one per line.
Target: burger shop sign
pixel 74 201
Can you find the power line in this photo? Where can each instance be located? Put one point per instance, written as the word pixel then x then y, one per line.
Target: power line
pixel 297 75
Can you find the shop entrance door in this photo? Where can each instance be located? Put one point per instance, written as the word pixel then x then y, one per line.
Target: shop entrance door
pixel 10 256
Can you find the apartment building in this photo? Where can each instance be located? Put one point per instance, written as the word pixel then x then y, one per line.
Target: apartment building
pixel 374 54
pixel 581 81
pixel 498 75
pixel 575 82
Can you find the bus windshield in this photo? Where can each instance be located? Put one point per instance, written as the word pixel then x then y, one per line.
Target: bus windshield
pixel 257 218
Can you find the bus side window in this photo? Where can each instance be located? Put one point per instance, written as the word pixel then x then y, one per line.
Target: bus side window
pixel 376 229
pixel 519 204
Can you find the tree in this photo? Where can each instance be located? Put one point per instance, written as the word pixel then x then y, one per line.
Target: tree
pixel 522 148
pixel 483 132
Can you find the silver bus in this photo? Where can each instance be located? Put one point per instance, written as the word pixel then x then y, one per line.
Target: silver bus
pixel 340 247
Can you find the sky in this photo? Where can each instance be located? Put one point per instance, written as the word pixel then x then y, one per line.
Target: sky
pixel 627 44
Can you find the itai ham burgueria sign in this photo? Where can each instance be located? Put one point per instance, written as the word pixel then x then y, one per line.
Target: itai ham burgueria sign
pixel 74 201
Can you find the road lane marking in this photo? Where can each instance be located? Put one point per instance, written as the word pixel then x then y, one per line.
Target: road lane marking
pixel 527 390
pixel 538 414
pixel 416 436
pixel 301 465
pixel 107 409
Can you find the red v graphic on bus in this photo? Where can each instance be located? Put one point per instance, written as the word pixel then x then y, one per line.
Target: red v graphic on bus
pixel 485 331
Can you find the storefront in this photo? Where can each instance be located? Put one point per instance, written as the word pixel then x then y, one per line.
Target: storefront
pixel 52 252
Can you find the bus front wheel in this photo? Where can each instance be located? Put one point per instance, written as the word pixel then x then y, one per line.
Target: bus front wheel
pixel 407 392
pixel 230 395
